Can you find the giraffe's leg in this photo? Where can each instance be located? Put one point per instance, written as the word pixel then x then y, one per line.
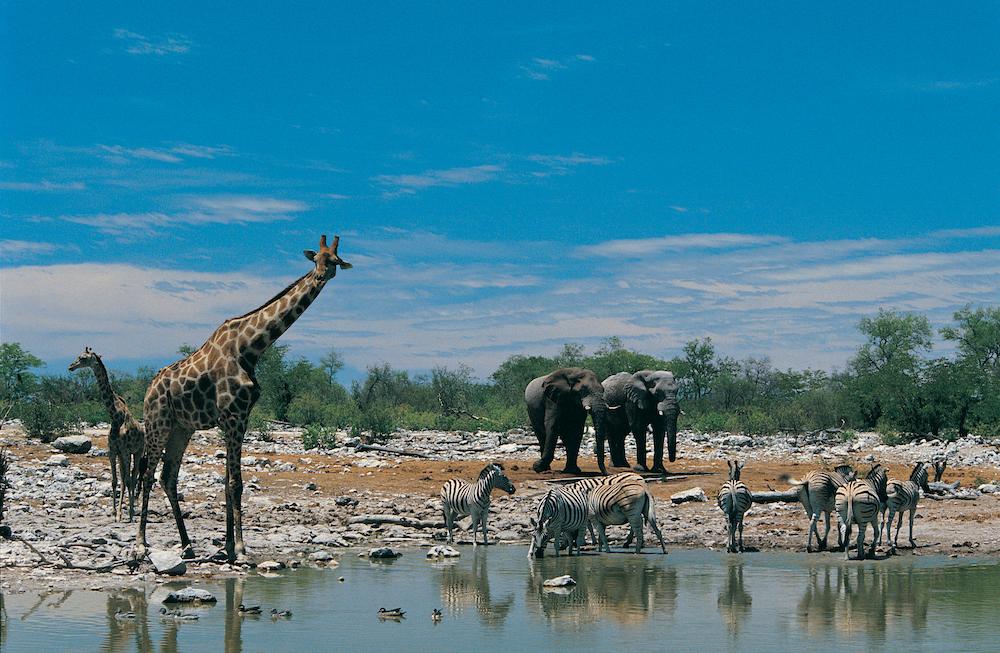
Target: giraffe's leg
pixel 128 488
pixel 234 427
pixel 115 504
pixel 147 472
pixel 168 479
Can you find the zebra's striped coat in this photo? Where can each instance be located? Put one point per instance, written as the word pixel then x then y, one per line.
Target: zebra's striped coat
pixel 460 498
pixel 562 512
pixel 734 499
pixel 859 502
pixel 903 496
pixel 623 499
pixel 818 493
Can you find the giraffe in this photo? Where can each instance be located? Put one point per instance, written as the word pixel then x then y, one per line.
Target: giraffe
pixel 215 386
pixel 126 439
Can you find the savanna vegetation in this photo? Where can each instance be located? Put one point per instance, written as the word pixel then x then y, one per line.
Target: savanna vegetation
pixel 894 383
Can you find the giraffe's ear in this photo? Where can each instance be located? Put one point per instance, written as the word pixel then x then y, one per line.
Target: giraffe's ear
pixel 310 254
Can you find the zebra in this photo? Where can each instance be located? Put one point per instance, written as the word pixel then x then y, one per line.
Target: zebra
pixel 817 493
pixel 460 498
pixel 878 477
pixel 620 499
pixel 563 511
pixel 903 496
pixel 859 502
pixel 734 500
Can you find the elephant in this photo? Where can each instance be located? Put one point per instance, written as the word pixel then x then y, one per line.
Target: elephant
pixel 558 405
pixel 650 399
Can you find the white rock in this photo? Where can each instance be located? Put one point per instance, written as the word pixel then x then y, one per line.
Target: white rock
pixel 738 441
pixel 73 444
pixel 57 460
pixel 694 494
pixel 989 488
pixel 167 562
pixel 321 556
pixel 190 595
pixel 270 565
pixel 442 551
pixel 559 581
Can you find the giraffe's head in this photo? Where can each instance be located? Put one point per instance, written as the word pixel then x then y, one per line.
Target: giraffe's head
pixel 326 258
pixel 87 359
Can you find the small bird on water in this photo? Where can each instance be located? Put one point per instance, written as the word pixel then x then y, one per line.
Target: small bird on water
pixel 252 609
pixel 436 615
pixel 395 613
pixel 177 614
pixel 122 615
pixel 280 614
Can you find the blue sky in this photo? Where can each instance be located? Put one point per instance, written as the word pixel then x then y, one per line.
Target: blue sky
pixel 505 179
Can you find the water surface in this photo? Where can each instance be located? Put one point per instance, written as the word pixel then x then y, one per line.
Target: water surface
pixel 493 599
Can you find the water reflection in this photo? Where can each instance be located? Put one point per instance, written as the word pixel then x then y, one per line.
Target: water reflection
pixel 627 589
pixel 863 599
pixel 462 588
pixel 734 601
pixel 130 634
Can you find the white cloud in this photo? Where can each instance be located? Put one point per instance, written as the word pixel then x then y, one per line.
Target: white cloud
pixel 541 68
pixel 11 249
pixel 446 177
pixel 172 154
pixel 44 186
pixel 639 247
pixel 136 43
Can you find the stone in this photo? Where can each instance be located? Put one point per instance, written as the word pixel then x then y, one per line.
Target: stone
pixel 382 553
pixel 321 556
pixel 559 581
pixel 310 486
pixel 694 494
pixel 346 501
pixel 190 595
pixel 737 441
pixel 989 488
pixel 270 565
pixel 57 460
pixel 73 444
pixel 442 551
pixel 167 563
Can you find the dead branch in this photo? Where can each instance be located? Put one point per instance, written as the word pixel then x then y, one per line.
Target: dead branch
pixel 790 495
pixel 398 452
pixel 397 520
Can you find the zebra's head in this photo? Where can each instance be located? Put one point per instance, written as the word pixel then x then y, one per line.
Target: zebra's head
pixel 735 467
pixel 496 477
pixel 846 471
pixel 919 476
pixel 539 533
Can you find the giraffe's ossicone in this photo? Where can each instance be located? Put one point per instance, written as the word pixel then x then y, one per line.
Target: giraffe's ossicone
pixel 215 386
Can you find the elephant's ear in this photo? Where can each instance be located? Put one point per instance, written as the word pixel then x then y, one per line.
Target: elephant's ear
pixel 637 393
pixel 555 386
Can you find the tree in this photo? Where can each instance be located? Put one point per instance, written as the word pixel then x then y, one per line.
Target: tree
pixel 453 389
pixel 976 377
pixel 332 363
pixel 699 357
pixel 16 381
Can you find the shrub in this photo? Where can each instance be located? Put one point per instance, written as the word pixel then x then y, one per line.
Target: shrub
pixel 711 422
pixel 848 435
pixel 379 421
pixel 311 409
pixel 90 413
pixel 260 426
pixel 759 422
pixel 45 421
pixel 315 436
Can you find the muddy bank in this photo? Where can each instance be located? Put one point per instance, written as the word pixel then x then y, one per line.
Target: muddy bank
pixel 303 506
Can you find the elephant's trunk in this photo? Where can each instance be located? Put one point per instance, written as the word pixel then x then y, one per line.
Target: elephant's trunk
pixel 598 410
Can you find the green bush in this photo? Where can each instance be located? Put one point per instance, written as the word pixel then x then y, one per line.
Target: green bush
pixel 378 420
pixel 789 417
pixel 260 427
pixel 315 436
pixel 848 435
pixel 759 422
pixel 889 435
pixel 46 421
pixel 90 413
pixel 712 422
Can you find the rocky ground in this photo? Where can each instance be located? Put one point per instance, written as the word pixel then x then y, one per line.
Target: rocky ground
pixel 305 507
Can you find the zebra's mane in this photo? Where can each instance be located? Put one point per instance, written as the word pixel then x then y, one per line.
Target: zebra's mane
pixel 489 469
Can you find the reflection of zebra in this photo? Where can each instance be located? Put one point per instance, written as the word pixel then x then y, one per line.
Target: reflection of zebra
pixel 460 498
pixel 562 512
pixel 623 499
pixel 859 503
pixel 903 496
pixel 734 500
pixel 818 493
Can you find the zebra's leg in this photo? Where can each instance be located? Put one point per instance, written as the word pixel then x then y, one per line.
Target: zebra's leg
pixel 602 538
pixel 558 541
pixel 913 542
pixel 741 534
pixel 813 519
pixel 847 540
pixel 899 525
pixel 861 540
pixel 448 523
pixel 875 527
pixel 636 526
pixel 826 533
pixel 656 531
pixel 485 518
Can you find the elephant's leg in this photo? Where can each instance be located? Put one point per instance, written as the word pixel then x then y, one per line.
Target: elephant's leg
pixel 572 441
pixel 658 435
pixel 639 431
pixel 552 428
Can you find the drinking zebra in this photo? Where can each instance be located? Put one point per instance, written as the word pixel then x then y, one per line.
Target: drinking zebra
pixel 878 477
pixel 903 496
pixel 858 503
pixel 460 498
pixel 817 494
pixel 623 499
pixel 734 500
pixel 562 512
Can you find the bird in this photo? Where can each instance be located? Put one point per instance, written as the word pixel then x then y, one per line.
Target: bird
pixel 395 613
pixel 280 614
pixel 436 615
pixel 177 614
pixel 121 614
pixel 251 609
pixel 169 613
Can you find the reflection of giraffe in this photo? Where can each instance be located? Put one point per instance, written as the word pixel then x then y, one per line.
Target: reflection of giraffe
pixel 125 440
pixel 216 386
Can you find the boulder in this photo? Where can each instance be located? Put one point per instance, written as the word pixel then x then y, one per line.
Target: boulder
pixel 559 581
pixel 382 553
pixel 442 551
pixel 270 565
pixel 694 494
pixel 167 563
pixel 73 444
pixel 321 556
pixel 737 441
pixel 57 460
pixel 989 488
pixel 190 595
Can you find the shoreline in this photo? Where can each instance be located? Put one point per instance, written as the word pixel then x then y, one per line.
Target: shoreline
pixel 299 504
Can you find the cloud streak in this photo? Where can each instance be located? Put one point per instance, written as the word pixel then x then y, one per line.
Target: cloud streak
pixel 139 44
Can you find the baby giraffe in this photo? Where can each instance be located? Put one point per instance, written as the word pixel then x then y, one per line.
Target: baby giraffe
pixel 126 439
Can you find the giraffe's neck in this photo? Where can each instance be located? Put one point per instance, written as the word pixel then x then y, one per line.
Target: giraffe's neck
pixel 104 385
pixel 266 324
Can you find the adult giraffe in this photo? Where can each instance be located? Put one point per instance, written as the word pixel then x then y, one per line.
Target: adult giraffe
pixel 215 386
